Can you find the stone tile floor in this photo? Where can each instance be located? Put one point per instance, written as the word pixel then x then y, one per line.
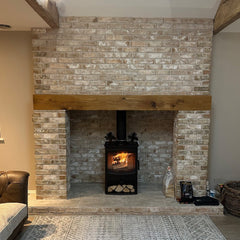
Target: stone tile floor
pixel 89 198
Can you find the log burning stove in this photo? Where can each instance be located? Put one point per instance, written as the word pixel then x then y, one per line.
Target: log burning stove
pixel 121 164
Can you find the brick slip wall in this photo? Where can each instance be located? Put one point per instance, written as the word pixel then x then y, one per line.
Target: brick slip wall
pixel 155 134
pixel 68 150
pixel 88 129
pixel 190 152
pixel 99 55
pixel 90 55
pixel 50 154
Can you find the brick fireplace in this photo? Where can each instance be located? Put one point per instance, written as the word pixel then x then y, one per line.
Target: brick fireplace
pixel 157 61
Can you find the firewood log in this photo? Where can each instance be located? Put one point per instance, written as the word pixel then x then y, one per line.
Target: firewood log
pixel 119 188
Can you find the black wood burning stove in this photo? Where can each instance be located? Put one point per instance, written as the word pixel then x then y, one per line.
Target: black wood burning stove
pixel 121 164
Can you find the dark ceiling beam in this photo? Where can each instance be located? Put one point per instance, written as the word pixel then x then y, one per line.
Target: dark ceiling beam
pixel 228 12
pixel 48 11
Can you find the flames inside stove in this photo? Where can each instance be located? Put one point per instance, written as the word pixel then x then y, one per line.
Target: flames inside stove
pixel 122 161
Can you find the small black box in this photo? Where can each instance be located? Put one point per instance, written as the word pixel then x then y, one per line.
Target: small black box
pixel 205 201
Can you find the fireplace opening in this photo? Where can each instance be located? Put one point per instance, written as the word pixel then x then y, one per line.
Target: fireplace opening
pixel 121 165
pixel 87 154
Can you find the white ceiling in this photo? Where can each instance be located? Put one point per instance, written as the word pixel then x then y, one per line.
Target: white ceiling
pixel 139 8
pixel 19 15
pixel 22 17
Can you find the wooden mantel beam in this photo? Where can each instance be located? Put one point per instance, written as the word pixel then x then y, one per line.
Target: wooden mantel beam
pixel 228 12
pixel 119 102
pixel 47 10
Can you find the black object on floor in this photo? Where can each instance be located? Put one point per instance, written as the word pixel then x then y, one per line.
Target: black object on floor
pixel 205 201
pixel 186 192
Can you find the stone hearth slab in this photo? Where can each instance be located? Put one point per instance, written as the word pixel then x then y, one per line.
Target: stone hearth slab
pixel 89 198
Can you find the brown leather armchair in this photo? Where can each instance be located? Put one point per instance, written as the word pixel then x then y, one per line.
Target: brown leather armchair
pixel 13 189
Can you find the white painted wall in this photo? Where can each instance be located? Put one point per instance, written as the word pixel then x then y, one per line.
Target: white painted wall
pixel 225 89
pixel 16 105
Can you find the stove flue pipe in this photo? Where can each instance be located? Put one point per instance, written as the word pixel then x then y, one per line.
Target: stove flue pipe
pixel 121 125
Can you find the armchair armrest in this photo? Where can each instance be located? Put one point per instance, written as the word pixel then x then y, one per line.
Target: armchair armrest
pixel 16 189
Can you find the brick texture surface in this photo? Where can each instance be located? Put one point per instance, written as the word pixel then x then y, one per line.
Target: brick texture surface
pixel 101 55
pixel 190 152
pixel 91 55
pixel 50 154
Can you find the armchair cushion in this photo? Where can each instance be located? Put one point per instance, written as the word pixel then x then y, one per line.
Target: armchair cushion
pixel 11 215
pixel 13 203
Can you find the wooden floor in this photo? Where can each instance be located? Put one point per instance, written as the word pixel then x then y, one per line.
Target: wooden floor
pixel 229 225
